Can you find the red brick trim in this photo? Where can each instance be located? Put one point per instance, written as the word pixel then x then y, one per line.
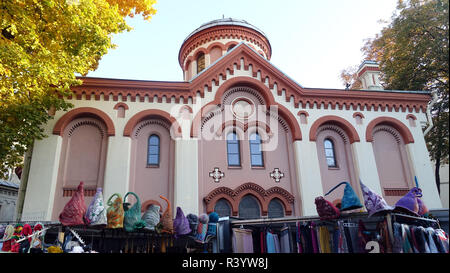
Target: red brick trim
pixel 124 105
pixel 344 124
pixel 303 112
pixel 263 196
pixel 223 32
pixel 411 116
pixel 368 68
pixel 306 97
pixel 133 121
pixel 62 122
pixel 398 125
pixel 215 44
pixel 358 114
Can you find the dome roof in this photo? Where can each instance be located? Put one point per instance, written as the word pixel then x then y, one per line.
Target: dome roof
pixel 223 22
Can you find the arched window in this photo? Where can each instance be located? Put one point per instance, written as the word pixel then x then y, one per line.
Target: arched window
pixel 222 208
pixel 200 62
pixel 256 155
pixel 233 151
pixel 249 208
pixel 276 209
pixel 230 47
pixel 153 151
pixel 330 154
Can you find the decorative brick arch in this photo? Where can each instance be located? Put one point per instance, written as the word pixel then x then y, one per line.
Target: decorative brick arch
pixel 265 93
pixel 215 44
pixel 303 112
pixel 263 196
pixel 198 51
pixel 62 122
pixel 244 126
pixel 342 123
pixel 358 114
pixel 411 116
pixel 124 105
pixel 175 127
pixel 398 125
pixel 231 43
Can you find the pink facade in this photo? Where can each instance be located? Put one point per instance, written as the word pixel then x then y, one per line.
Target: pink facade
pixel 341 152
pixel 276 145
pixel 152 180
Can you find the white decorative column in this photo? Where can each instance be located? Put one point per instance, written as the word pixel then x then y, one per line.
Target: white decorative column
pixel 117 168
pixel 366 166
pixel 423 170
pixel 309 178
pixel 186 176
pixel 40 192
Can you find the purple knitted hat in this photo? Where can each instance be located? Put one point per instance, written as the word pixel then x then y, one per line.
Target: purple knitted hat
pixel 373 202
pixel 181 223
pixel 409 202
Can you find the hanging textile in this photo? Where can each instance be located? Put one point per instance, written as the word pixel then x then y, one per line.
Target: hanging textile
pixel 442 240
pixel 421 239
pixel 285 240
pixel 273 244
pixel 343 246
pixel 324 240
pixel 430 235
pixel 314 237
pixel 242 241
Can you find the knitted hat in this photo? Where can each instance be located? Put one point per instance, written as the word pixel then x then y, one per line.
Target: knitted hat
pixel 374 203
pixel 166 218
pixel 8 233
pixel 96 212
pixel 326 209
pixel 212 224
pixel 423 210
pixel 18 228
pixel 193 223
pixel 181 223
pixel 151 216
pixel 202 226
pixel 409 202
pixel 74 210
pixel 27 230
pixel 350 200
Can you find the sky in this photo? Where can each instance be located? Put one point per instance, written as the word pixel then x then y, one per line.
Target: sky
pixel 312 40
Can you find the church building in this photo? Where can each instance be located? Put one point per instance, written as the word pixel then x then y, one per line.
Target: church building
pixel 236 136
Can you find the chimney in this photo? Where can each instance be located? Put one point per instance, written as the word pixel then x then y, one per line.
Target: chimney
pixel 369 75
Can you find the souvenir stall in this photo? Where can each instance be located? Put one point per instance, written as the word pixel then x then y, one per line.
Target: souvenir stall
pixel 406 227
pixel 119 228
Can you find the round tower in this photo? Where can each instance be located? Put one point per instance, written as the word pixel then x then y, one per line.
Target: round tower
pixel 213 39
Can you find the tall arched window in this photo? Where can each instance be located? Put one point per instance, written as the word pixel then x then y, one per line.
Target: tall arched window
pixel 249 208
pixel 330 153
pixel 153 151
pixel 233 151
pixel 200 62
pixel 276 209
pixel 256 155
pixel 222 208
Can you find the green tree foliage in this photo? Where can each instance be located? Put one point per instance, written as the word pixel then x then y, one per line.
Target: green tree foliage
pixel 43 45
pixel 413 53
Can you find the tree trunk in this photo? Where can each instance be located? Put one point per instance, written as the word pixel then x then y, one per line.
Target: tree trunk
pixel 438 151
